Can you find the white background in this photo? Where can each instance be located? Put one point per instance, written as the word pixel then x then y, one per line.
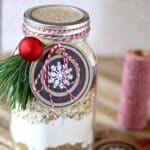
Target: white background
pixel 117 25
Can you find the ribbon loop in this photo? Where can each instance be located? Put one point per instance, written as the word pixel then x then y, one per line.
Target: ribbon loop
pixel 45 69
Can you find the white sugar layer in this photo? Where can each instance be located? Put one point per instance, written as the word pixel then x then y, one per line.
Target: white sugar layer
pixel 63 131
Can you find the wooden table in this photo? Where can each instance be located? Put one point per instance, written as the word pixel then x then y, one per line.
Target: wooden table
pixel 107 106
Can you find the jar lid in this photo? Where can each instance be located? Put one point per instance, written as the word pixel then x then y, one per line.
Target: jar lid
pixel 56 17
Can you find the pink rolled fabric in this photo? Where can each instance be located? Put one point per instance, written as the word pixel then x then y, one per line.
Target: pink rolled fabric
pixel 135 90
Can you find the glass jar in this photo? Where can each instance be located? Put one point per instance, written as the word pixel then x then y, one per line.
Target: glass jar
pixel 61 114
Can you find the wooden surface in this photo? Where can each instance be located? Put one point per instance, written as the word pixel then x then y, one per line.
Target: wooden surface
pixel 107 106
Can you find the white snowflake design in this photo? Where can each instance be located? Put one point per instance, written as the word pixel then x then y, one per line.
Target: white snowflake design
pixel 58 77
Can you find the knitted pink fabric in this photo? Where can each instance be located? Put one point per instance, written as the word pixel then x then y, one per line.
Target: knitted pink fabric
pixel 135 90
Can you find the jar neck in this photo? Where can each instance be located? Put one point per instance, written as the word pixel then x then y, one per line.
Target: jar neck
pixel 48 36
pixel 50 41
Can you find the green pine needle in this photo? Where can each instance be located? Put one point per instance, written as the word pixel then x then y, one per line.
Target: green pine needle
pixel 14 82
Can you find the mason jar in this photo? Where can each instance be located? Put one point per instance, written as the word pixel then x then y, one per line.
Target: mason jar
pixel 62 80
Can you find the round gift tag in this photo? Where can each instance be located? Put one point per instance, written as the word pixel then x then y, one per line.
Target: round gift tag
pixel 62 85
pixel 115 144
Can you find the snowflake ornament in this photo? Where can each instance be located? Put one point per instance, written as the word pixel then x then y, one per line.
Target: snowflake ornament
pixel 60 77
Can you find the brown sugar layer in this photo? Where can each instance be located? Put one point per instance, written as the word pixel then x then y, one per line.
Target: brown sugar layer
pixel 70 147
pixel 20 146
pixel 57 14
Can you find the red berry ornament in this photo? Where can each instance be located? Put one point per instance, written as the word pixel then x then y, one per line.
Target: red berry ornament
pixel 30 49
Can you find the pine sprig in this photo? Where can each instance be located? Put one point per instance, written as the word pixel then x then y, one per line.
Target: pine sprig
pixel 14 82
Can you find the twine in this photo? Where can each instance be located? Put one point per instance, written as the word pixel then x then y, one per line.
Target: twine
pixel 135 91
pixel 55 36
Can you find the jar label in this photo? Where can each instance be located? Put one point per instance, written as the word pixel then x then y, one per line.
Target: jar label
pixel 67 76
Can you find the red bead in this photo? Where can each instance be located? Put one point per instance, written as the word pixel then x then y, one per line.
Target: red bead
pixel 30 48
pixel 144 143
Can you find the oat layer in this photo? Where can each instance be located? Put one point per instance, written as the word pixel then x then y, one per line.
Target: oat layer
pixel 39 113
